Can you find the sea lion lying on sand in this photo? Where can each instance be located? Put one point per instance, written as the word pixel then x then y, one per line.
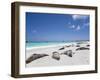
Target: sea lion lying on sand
pixel 68 52
pixel 87 45
pixel 68 45
pixel 62 48
pixel 34 57
pixel 56 55
pixel 82 48
pixel 77 45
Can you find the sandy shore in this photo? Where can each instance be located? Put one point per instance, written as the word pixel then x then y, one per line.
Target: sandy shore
pixel 80 57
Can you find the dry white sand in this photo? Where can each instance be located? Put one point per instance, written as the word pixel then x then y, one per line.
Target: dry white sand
pixel 81 57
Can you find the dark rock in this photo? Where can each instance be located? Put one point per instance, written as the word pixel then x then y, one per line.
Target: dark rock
pixel 34 57
pixel 62 48
pixel 56 55
pixel 82 48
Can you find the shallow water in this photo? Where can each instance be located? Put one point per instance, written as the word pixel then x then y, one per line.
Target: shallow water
pixel 39 44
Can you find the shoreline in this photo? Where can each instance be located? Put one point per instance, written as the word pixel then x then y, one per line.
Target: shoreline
pixel 48 46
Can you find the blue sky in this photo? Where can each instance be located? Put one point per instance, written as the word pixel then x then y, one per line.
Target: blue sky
pixel 56 27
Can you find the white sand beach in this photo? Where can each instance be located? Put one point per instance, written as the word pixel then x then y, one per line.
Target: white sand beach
pixel 79 57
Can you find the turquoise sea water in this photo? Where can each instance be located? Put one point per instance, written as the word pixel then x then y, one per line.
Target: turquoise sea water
pixel 39 44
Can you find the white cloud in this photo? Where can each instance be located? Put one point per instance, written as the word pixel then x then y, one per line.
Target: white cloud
pixel 78 27
pixel 76 17
pixel 73 26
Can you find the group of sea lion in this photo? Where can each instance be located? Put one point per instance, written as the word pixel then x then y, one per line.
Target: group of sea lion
pixel 55 54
